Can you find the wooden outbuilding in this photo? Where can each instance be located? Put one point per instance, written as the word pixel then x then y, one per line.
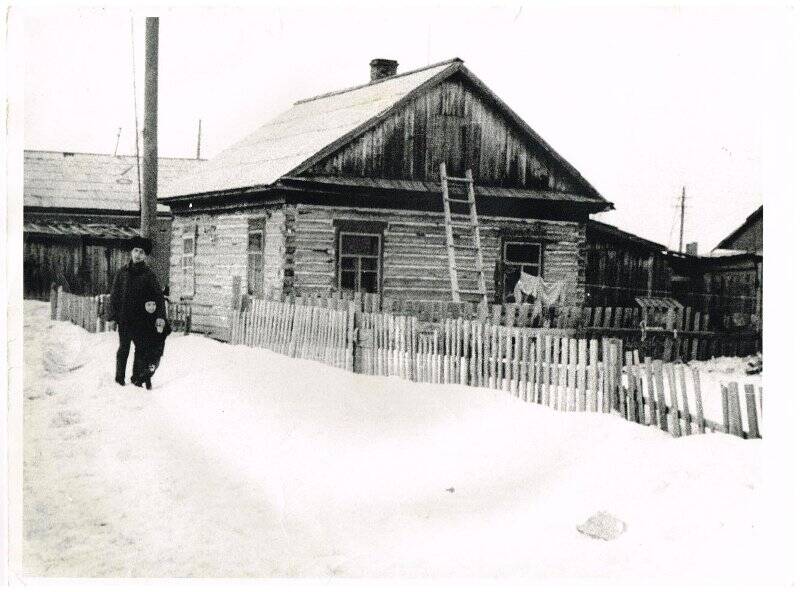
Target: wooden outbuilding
pixel 342 192
pixel 623 267
pixel 80 213
pixel 749 237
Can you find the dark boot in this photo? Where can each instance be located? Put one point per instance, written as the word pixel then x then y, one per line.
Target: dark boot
pixel 122 355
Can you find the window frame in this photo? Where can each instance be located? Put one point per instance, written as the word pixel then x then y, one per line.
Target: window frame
pixel 188 270
pixel 378 257
pixel 505 263
pixel 255 226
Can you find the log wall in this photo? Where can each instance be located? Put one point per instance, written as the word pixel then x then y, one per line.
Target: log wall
pixel 221 255
pixel 414 253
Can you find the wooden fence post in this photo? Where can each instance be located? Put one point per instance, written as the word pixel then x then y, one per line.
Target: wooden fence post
pixel 698 398
pixel 735 410
pixel 752 416
pixel 675 428
pixel 658 371
pixel 60 304
pixel 725 414
pixel 53 301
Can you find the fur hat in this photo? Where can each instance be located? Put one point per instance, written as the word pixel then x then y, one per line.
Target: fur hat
pixel 143 243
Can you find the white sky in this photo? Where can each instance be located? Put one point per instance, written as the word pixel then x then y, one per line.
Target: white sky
pixel 640 100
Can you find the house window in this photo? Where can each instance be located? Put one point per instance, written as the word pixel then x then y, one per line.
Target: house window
pixel 255 257
pixel 359 261
pixel 519 256
pixel 187 259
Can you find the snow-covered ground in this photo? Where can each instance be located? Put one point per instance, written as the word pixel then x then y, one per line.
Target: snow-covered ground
pixel 242 462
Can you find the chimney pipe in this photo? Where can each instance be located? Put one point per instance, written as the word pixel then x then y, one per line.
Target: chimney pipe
pixel 380 68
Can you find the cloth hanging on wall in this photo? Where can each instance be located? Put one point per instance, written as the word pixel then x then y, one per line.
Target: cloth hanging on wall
pixel 545 293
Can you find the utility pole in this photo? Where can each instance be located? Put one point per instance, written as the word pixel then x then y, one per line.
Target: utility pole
pixel 683 210
pixel 199 134
pixel 150 184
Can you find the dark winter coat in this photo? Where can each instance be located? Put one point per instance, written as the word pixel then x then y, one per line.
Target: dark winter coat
pixel 151 345
pixel 134 285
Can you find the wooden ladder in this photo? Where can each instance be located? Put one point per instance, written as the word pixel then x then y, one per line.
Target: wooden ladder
pixel 468 221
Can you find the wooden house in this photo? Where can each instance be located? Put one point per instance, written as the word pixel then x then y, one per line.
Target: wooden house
pixel 80 212
pixel 342 192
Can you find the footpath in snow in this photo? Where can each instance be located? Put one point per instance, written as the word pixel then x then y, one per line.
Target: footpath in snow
pixel 241 463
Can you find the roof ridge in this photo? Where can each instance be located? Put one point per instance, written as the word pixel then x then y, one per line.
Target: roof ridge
pixel 74 152
pixel 373 82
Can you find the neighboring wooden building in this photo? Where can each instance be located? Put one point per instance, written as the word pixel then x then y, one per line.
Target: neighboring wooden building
pixel 749 237
pixel 342 192
pixel 725 284
pixel 621 266
pixel 80 212
pixel 733 274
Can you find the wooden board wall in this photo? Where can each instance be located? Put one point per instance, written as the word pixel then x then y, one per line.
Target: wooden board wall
pixel 78 269
pixel 616 273
pixel 414 254
pixel 220 255
pixel 450 122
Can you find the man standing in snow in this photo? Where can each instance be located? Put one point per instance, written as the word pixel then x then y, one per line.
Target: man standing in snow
pixel 134 286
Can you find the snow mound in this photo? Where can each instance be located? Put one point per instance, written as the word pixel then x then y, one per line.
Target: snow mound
pixel 244 463
pixel 602 525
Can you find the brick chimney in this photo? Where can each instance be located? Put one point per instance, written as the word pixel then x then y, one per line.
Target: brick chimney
pixel 380 68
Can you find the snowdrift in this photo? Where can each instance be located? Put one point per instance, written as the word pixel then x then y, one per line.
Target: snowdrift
pixel 242 463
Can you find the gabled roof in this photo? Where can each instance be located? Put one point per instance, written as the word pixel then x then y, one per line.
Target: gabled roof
pixel 76 180
pixel 314 128
pixel 755 216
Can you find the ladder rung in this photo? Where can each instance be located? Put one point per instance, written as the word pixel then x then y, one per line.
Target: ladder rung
pixel 466 201
pixel 470 247
pixel 459 179
pixel 481 292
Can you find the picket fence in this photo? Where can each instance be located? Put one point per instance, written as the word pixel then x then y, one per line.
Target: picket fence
pixel 91 312
pixel 298 331
pixel 686 335
pixel 549 367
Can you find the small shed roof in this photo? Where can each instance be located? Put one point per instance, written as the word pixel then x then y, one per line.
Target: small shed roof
pixel 658 302
pixel 623 236
pixel 77 180
pixel 102 231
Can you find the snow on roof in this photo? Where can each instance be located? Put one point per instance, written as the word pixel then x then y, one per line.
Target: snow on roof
pixel 281 145
pixel 91 181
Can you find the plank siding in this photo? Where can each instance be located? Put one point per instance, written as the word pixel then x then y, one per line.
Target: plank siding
pixel 79 268
pixel 454 124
